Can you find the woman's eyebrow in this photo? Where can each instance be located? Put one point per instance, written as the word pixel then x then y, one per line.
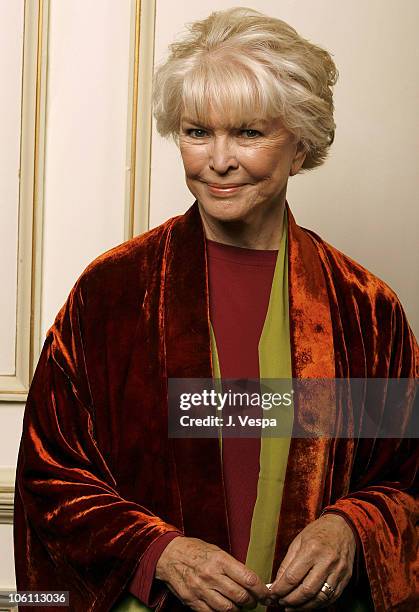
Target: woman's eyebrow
pixel 259 123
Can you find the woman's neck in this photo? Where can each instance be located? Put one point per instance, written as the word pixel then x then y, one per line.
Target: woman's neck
pixel 262 233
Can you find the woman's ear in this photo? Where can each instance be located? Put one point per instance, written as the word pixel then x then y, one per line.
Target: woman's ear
pixel 299 157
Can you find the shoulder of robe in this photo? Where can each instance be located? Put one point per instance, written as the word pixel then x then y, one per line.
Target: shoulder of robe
pixel 125 267
pixel 367 301
pixel 140 251
pixel 116 280
pixel 352 275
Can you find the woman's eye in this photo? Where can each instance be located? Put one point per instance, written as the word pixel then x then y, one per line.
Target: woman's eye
pixel 251 133
pixel 196 133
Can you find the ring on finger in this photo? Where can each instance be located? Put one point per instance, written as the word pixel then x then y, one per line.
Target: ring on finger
pixel 328 590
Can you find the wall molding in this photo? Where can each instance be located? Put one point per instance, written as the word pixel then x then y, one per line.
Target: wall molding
pixel 3 606
pixel 7 492
pixel 139 128
pixel 7 608
pixel 29 256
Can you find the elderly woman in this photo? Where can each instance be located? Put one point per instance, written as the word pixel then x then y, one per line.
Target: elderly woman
pixel 111 508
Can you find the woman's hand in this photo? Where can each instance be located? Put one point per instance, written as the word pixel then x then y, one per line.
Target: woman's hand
pixel 322 552
pixel 204 577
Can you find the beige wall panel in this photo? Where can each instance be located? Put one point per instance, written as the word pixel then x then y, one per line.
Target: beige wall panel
pixel 11 56
pixel 85 170
pixel 7 579
pixel 21 190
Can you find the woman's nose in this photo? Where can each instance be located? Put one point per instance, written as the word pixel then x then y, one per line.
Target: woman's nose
pixel 222 155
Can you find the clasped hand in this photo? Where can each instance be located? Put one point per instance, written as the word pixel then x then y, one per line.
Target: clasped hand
pixel 206 578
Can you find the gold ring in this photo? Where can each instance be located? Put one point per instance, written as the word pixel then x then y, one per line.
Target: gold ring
pixel 327 590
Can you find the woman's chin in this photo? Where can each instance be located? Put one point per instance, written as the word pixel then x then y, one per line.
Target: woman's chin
pixel 224 209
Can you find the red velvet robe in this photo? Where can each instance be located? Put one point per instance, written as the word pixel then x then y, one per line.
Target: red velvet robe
pixel 98 479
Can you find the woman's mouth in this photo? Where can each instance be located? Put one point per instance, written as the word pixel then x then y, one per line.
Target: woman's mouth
pixel 224 189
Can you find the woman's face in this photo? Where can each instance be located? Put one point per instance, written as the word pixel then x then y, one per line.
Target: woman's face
pixel 237 173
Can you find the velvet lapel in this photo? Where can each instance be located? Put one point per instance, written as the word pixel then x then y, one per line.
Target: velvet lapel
pixel 312 356
pixel 185 317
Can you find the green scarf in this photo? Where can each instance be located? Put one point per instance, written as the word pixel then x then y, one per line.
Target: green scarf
pixel 274 362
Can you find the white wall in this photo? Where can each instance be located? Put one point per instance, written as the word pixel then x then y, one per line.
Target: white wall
pixel 86 137
pixel 11 53
pixel 364 200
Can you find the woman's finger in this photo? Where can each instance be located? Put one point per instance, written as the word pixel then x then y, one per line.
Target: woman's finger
pixel 217 601
pixel 281 586
pixel 297 599
pixel 199 606
pixel 307 589
pixel 243 576
pixel 293 571
pixel 235 592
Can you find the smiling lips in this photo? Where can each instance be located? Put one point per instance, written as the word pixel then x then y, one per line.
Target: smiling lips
pixel 224 189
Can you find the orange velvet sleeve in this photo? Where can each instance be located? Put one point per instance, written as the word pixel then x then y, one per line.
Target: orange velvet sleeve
pixel 82 534
pixel 383 504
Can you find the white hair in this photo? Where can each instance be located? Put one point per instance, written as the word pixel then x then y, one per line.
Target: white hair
pixel 244 65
